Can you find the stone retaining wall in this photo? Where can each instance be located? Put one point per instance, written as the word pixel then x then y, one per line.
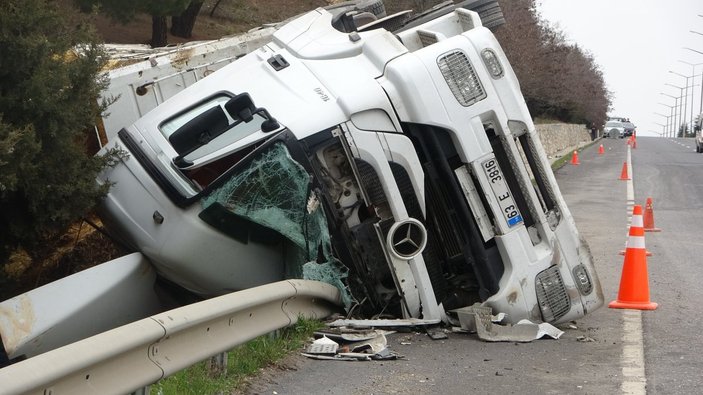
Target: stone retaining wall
pixel 559 139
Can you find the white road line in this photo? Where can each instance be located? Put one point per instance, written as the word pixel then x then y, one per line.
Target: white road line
pixel 632 362
pixel 630 185
pixel 634 380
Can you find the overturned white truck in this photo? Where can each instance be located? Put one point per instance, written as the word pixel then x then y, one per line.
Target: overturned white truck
pixel 408 160
pixel 401 166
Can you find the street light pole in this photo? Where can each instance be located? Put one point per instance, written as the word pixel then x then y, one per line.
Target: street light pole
pixel 685 100
pixel 663 130
pixel 674 110
pixel 671 114
pixel 665 116
pixel 700 110
pixel 693 97
pixel 682 114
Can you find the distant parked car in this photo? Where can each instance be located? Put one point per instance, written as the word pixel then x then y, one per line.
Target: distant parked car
pixel 629 129
pixel 614 129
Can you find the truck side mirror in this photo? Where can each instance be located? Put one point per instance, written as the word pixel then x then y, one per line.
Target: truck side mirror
pixel 199 131
pixel 242 108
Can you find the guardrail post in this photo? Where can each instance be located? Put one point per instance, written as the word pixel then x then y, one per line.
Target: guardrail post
pixel 218 365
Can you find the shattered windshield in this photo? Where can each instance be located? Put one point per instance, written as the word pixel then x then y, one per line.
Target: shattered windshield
pixel 274 191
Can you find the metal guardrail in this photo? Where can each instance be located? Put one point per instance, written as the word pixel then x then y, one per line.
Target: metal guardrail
pixel 138 354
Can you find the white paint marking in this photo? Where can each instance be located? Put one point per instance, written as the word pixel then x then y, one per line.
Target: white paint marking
pixel 632 361
pixel 634 381
pixel 630 185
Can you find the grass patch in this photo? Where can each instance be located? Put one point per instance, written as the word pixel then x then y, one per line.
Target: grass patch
pixel 567 158
pixel 561 161
pixel 243 362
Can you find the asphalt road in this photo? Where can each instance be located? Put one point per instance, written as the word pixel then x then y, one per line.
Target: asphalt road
pixel 626 351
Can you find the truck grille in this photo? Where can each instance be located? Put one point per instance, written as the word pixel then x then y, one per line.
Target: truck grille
pixel 445 219
pixel 551 294
pixel 371 183
pixel 430 255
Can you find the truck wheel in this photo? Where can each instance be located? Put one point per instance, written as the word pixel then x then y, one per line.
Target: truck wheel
pixel 347 16
pixel 375 7
pixel 488 10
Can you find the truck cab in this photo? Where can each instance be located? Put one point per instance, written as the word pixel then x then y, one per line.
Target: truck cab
pixel 402 167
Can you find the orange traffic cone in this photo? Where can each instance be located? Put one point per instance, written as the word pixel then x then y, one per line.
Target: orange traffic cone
pixel 634 141
pixel 622 252
pixel 634 282
pixel 623 173
pixel 601 150
pixel 575 158
pixel 649 217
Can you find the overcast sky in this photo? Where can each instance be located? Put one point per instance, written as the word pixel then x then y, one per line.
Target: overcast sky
pixel 636 43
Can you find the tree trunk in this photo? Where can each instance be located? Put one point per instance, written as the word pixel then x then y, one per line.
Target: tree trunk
pixel 212 12
pixel 182 25
pixel 159 31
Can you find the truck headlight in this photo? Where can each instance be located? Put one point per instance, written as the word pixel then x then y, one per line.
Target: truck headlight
pixel 490 59
pixel 461 78
pixel 583 280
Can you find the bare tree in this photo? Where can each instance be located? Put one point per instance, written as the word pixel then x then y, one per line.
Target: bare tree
pixel 558 79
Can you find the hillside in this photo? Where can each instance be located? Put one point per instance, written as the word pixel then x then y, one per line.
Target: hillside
pixel 229 17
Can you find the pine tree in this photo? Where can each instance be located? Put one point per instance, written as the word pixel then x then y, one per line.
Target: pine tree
pixel 49 84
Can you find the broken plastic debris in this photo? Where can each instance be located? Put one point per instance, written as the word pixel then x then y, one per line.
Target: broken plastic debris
pixel 328 357
pixel 477 318
pixel 369 349
pixel 498 317
pixel 384 323
pixel 436 333
pixel 342 334
pixel 468 316
pixel 356 355
pixel 545 329
pixel 323 345
pixel 376 344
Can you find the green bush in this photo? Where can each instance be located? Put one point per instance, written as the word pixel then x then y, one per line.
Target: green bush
pixel 50 72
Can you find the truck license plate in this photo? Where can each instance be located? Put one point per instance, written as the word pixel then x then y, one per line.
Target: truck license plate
pixel 500 190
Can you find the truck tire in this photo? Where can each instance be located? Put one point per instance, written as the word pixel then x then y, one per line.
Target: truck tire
pixel 345 15
pixel 488 10
pixel 375 7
